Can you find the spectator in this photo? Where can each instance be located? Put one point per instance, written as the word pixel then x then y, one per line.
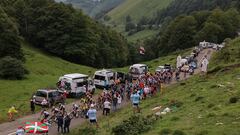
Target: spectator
pixel 115 100
pixel 135 98
pixel 32 105
pixel 106 107
pixel 67 122
pixel 119 101
pixel 92 115
pixel 60 122
pixel 20 131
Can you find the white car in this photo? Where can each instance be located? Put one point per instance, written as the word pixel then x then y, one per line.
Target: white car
pixel 160 69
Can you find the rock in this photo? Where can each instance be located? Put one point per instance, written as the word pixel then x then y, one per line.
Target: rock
pixel 219 123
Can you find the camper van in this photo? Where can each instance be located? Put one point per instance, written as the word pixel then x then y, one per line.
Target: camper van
pixel 138 70
pixel 104 78
pixel 204 44
pixel 75 84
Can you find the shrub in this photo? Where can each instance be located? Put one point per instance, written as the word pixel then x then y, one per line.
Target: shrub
pixel 233 100
pixel 87 131
pixel 210 105
pixel 134 125
pixel 199 98
pixel 211 115
pixel 204 132
pixel 175 118
pixel 165 131
pixel 178 132
pixel 11 68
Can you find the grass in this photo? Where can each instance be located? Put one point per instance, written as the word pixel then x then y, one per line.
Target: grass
pixel 44 73
pixel 136 9
pixel 206 107
pixel 142 35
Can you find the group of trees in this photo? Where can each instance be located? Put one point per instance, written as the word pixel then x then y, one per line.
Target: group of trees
pixel 11 55
pixel 188 30
pixel 61 30
pixel 178 7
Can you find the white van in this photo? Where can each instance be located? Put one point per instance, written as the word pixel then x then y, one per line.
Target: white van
pixel 104 78
pixel 75 84
pixel 204 44
pixel 138 70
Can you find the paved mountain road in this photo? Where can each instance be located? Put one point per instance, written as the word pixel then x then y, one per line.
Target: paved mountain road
pixel 9 128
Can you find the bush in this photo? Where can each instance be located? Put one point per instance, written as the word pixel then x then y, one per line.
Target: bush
pixel 165 131
pixel 178 132
pixel 199 98
pixel 133 126
pixel 233 100
pixel 87 131
pixel 11 68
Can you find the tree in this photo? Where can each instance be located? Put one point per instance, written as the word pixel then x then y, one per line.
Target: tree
pixel 128 19
pixel 11 68
pixel 210 33
pixel 179 34
pixel 9 39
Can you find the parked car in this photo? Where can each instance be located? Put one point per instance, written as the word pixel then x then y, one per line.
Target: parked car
pixel 160 69
pixel 52 97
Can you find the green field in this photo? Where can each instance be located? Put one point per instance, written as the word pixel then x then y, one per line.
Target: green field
pixel 136 9
pixel 205 103
pixel 145 34
pixel 44 73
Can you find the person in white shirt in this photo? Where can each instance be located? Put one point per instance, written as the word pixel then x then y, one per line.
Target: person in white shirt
pixel 204 65
pixel 106 107
pixel 178 65
pixel 119 100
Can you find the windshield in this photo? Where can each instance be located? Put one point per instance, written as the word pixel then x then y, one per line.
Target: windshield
pixel 41 94
pixel 80 84
pixel 98 77
pixel 134 70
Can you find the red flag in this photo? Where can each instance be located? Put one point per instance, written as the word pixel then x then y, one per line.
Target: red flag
pixel 141 50
pixel 36 127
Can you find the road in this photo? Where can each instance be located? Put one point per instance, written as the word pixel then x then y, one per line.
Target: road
pixel 9 128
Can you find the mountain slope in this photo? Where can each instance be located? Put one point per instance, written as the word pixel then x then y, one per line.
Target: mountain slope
pixel 136 9
pixel 44 73
pixel 94 7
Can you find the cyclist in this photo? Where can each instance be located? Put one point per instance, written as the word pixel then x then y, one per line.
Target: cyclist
pixel 45 114
pixel 11 112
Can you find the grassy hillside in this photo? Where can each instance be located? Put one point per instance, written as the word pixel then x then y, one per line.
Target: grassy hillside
pixel 145 34
pixel 136 9
pixel 92 8
pixel 44 73
pixel 204 103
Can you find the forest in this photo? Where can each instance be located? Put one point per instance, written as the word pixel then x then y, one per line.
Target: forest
pixel 60 30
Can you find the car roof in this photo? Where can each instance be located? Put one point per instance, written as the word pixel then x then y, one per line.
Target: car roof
pixel 75 75
pixel 160 66
pixel 104 71
pixel 46 90
pixel 138 65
